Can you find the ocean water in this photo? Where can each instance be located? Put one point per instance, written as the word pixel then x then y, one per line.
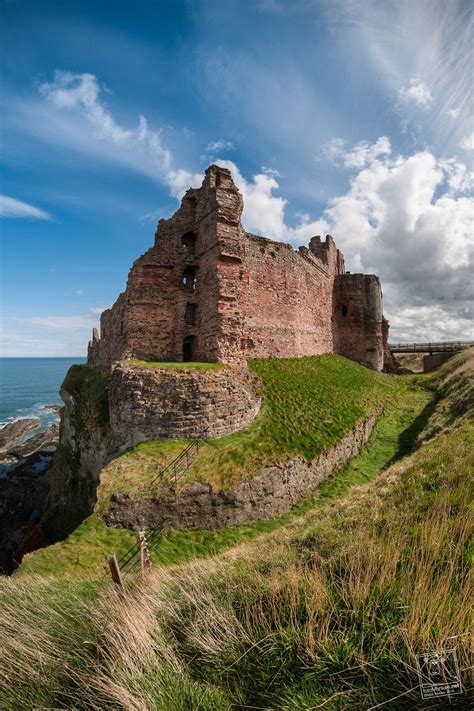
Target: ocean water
pixel 28 384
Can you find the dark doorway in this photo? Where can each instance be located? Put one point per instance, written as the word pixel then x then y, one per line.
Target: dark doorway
pixel 189 242
pixel 188 349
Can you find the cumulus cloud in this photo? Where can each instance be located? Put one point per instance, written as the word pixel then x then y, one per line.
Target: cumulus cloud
pixel 418 92
pixel 408 219
pixel 359 155
pixel 9 207
pixel 467 143
pixel 89 125
pixel 220 146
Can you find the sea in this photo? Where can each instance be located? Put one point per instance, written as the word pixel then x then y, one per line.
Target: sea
pixel 27 385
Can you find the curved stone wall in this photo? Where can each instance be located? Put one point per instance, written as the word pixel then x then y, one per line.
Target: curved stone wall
pixel 179 403
pixel 271 492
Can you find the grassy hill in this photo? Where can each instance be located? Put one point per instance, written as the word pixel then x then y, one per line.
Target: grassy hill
pixel 308 405
pixel 325 608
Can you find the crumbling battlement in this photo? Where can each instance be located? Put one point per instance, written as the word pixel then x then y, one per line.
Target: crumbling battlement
pixel 209 291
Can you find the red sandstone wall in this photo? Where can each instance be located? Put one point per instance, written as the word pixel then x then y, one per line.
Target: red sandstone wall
pixel 251 296
pixel 358 319
pixel 287 301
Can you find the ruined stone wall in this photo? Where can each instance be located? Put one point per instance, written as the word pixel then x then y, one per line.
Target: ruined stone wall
pixel 161 403
pixel 287 298
pixel 271 492
pixel 431 361
pixel 209 291
pixel 358 318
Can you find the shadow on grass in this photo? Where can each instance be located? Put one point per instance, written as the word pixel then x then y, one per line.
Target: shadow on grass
pixel 407 437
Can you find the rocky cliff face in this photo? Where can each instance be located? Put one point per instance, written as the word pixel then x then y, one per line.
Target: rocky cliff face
pixel 86 445
pixel 104 415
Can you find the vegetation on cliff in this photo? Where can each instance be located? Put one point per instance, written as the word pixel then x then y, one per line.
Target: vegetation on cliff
pixel 88 387
pixel 328 610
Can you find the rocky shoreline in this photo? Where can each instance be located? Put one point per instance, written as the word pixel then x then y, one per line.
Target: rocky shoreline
pixel 24 461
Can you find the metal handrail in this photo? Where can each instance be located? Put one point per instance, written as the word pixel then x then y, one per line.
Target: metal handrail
pixel 181 462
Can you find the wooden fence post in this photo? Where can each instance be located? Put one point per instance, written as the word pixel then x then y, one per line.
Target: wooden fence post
pixel 116 574
pixel 145 562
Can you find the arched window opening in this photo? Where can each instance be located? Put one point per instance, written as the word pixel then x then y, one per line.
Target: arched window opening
pixel 188 345
pixel 189 278
pixel 344 310
pixel 188 241
pixel 190 315
pixel 218 180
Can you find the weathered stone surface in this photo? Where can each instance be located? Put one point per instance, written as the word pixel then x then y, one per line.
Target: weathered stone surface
pixel 13 431
pixel 148 404
pixel 47 440
pixel 209 291
pixel 73 477
pixel 271 492
pixel 431 361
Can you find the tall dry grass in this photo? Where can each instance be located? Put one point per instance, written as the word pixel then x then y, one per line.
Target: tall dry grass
pixel 329 612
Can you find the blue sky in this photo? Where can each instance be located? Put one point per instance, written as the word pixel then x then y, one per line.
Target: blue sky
pixel 353 118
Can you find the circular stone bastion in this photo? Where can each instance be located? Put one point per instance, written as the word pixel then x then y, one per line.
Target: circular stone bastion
pixel 150 403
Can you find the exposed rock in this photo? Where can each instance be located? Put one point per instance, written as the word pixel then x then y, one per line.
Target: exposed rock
pixel 54 408
pixel 271 492
pixel 13 431
pixel 47 440
pixel 23 489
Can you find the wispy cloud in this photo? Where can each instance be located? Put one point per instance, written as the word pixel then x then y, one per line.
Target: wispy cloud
pixel 421 53
pixel 48 335
pixel 467 143
pixel 219 146
pixel 9 207
pixel 418 92
pixel 359 155
pixel 72 113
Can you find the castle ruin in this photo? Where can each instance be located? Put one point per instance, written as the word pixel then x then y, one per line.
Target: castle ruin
pixel 210 291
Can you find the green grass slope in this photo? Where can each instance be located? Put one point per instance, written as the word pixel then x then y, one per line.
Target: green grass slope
pixel 327 611
pixel 299 394
pixel 308 404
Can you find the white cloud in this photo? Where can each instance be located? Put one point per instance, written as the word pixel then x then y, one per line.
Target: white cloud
pixel 360 155
pixel 73 114
pixel 219 146
pixel 418 92
pixel 407 219
pixel 453 113
pixel 467 143
pixel 9 207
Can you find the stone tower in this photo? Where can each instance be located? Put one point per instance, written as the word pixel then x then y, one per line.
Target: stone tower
pixel 209 291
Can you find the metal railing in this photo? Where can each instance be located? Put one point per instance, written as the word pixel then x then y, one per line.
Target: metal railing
pixel 173 471
pixel 440 347
pixel 131 559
